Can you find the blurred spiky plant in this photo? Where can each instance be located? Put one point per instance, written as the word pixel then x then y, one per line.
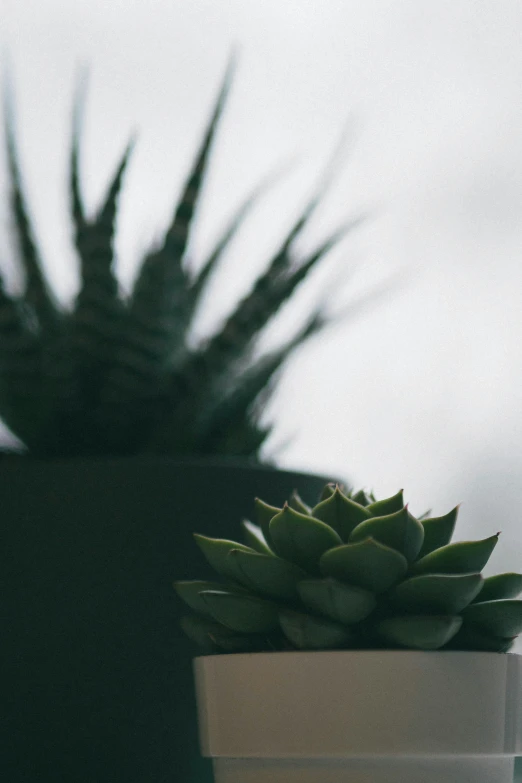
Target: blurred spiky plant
pixel 115 374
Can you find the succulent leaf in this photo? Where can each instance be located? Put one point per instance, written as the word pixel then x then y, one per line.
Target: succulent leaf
pixel 338 601
pixel 420 632
pixel 471 637
pixel 340 513
pixel 313 633
pixel 500 586
pixel 266 574
pixel 301 539
pixel 190 590
pixel 437 593
pixel 498 618
pixel 255 538
pixel 382 508
pixel 199 630
pixel 297 503
pixel 464 557
pixel 241 613
pixel 362 498
pixel 398 530
pixel 328 490
pixel 438 531
pixel 367 564
pixel 264 515
pixel 216 552
pixel 214 637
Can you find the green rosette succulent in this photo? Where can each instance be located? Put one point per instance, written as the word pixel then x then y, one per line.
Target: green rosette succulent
pixel 352 572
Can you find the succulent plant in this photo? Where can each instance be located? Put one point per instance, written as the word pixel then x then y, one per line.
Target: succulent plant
pixel 351 572
pixel 120 374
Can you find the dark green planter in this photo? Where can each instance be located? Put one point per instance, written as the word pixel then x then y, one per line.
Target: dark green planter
pixel 98 675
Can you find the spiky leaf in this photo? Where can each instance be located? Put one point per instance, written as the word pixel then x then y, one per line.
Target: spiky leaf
pixel 97 308
pixel 209 267
pixel 37 294
pixel 223 414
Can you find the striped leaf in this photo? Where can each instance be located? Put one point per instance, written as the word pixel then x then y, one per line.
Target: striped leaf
pixel 37 294
pixel 98 308
pixel 76 201
pixel 159 301
pixel 269 294
pixel 230 411
pixel 153 327
pixel 272 289
pixel 210 266
pixel 21 379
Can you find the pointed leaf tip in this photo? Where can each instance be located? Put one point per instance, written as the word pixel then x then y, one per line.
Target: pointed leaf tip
pixel 341 513
pixel 399 530
pixel 458 558
pixel 301 539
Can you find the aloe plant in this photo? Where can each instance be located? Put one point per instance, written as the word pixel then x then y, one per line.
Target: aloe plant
pixel 351 572
pixel 117 374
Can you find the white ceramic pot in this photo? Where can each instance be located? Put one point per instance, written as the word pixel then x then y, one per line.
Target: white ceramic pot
pixel 361 716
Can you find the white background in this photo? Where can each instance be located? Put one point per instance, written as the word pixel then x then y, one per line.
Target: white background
pixel 423 389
